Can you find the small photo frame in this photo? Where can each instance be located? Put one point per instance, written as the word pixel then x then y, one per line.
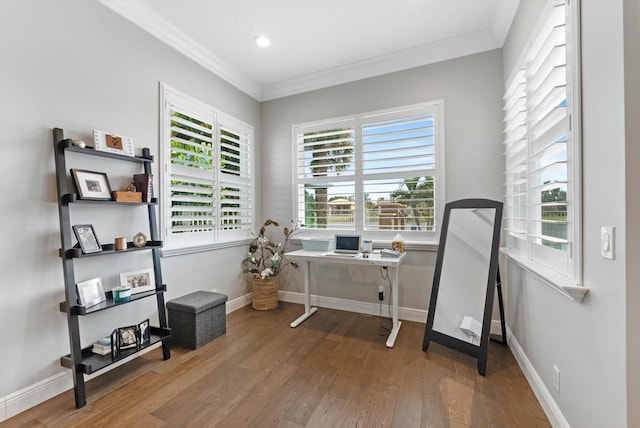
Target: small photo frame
pixel 90 292
pixel 91 185
pixel 114 344
pixel 139 280
pixel 87 238
pixel 144 333
pixel 128 337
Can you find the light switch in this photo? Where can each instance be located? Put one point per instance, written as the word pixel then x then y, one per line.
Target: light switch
pixel 607 242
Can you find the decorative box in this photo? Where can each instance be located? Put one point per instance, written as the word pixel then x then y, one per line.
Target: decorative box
pixel 197 318
pixel 127 196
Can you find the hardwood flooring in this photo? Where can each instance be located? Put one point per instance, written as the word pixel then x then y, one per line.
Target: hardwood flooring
pixel 332 371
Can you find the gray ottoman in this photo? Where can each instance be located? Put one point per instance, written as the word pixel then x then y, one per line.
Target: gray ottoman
pixel 197 318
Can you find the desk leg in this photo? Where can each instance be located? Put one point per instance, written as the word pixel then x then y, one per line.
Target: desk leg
pixel 394 309
pixel 308 310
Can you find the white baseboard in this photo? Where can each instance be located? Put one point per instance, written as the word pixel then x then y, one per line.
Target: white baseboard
pixel 32 395
pixel 238 302
pixel 35 394
pixel 409 314
pixel 543 395
pixel 496 328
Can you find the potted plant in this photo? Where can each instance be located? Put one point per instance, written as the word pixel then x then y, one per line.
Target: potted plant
pixel 265 261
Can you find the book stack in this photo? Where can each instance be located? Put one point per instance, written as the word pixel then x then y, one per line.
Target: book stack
pixel 102 346
pixel 144 184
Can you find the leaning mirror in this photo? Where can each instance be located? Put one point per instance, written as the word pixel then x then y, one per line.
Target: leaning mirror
pixel 465 277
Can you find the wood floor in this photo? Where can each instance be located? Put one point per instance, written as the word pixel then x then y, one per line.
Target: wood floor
pixel 332 371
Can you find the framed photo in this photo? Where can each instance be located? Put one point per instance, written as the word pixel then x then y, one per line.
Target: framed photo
pixel 114 344
pixel 128 337
pixel 139 281
pixel 90 292
pixel 144 333
pixel 91 185
pixel 87 238
pixel 112 143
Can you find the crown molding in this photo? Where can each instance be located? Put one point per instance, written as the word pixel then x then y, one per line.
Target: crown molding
pixel 158 27
pixel 502 19
pixel 410 58
pixel 151 22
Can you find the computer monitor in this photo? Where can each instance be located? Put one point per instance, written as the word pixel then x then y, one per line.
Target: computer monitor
pixel 347 244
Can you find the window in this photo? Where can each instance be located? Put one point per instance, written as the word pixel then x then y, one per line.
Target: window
pixel 376 172
pixel 542 146
pixel 207 185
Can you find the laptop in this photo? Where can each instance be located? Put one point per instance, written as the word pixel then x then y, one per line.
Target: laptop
pixel 346 245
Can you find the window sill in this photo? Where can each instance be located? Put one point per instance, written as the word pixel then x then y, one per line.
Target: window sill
pixel 379 244
pixel 179 251
pixel 410 245
pixel 567 288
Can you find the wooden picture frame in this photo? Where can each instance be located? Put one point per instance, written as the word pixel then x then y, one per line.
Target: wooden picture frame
pixel 113 143
pixel 91 185
pixel 90 292
pixel 140 281
pixel 87 238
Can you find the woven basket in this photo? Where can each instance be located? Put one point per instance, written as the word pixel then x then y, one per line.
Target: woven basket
pixel 265 293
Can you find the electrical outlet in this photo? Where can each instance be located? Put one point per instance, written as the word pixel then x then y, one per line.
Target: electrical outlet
pixel 556 378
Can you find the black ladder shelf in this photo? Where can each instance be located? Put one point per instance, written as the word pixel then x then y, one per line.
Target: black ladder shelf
pixel 83 361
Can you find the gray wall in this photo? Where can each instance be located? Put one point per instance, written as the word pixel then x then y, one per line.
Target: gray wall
pixel 632 135
pixel 586 341
pixel 78 66
pixel 471 88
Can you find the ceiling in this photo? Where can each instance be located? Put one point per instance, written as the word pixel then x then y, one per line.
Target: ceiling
pixel 319 43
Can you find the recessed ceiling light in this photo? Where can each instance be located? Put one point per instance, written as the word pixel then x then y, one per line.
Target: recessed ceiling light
pixel 262 41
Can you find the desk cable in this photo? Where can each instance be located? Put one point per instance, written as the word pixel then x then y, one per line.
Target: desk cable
pixel 385 327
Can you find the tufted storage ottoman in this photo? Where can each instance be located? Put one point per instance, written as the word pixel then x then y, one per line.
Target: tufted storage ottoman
pixel 197 318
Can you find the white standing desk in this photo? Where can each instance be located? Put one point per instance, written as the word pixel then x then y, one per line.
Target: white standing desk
pixel 308 257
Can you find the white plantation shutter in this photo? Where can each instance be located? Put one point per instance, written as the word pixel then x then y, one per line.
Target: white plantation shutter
pixel 191 173
pixel 207 191
pixel 236 193
pixel 326 153
pixel 326 165
pixel 517 216
pixel 399 160
pixel 548 129
pixel 375 172
pixel 542 149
